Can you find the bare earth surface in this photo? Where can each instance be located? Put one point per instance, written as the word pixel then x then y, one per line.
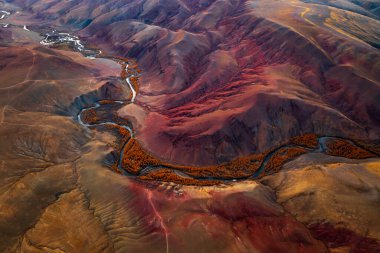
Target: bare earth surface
pixel 220 80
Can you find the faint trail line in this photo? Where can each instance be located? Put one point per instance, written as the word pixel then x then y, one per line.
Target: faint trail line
pixel 149 194
pixel 29 125
pixel 3 114
pixel 14 85
pixel 31 67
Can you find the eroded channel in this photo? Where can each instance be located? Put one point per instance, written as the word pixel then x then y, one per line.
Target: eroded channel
pixel 55 38
pixel 128 73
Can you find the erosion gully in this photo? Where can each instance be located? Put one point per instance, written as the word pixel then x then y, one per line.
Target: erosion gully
pixel 55 38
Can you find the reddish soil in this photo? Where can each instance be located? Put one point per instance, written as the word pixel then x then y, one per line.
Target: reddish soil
pixel 226 79
pixel 335 237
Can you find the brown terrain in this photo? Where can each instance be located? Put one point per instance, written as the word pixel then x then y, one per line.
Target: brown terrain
pixel 255 127
pixel 222 79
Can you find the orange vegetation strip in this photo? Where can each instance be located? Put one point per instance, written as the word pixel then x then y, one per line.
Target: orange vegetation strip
pixel 133 64
pixel 134 82
pixel 106 102
pixel 165 175
pixel 372 147
pixel 136 158
pixel 241 167
pixel 281 157
pixel 89 116
pixel 345 149
pixel 124 133
pixel 306 140
pixel 123 74
pixel 125 136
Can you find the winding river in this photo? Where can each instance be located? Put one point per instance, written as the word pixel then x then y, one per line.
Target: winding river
pixel 55 38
